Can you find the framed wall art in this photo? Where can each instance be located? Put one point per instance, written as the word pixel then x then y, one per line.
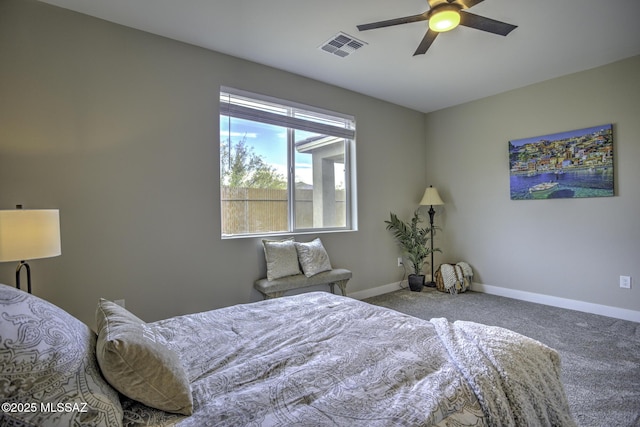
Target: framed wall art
pixel 572 164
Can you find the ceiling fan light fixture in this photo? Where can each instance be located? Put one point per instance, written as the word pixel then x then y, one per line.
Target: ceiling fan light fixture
pixel 445 15
pixel 445 18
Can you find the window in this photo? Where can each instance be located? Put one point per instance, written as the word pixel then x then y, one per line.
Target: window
pixel 284 167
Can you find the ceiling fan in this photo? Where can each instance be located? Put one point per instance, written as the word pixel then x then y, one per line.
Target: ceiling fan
pixel 445 15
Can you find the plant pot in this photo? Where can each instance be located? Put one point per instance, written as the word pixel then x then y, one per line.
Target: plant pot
pixel 416 282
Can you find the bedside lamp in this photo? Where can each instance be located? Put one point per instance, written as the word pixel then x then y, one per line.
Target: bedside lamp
pixel 27 234
pixel 431 198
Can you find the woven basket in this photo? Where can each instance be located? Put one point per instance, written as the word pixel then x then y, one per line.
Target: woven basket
pixel 440 282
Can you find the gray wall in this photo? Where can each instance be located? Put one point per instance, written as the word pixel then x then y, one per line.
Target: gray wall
pixel 568 248
pixel 119 130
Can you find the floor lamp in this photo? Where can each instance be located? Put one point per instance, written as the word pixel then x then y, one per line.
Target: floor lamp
pixel 431 198
pixel 27 234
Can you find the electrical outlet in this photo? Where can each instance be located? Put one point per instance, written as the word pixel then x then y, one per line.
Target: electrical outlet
pixel 400 264
pixel 625 282
pixel 120 302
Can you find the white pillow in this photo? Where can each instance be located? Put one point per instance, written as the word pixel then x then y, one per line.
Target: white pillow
pixel 281 257
pixel 313 257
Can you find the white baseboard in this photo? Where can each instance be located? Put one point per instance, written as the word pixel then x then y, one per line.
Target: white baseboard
pixel 587 307
pixel 368 293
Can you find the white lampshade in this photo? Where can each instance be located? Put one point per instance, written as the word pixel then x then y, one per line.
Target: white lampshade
pixel 29 234
pixel 431 197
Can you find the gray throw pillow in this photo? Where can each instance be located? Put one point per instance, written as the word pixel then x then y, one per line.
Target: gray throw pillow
pixel 281 257
pixel 47 359
pixel 135 360
pixel 313 257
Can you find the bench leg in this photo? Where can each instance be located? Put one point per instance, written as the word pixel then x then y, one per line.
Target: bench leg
pixel 272 295
pixel 342 284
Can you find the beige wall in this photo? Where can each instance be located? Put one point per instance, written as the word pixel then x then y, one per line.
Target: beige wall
pixel 567 248
pixel 119 130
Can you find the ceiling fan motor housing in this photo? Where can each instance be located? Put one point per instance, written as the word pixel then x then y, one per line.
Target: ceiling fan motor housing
pixel 453 7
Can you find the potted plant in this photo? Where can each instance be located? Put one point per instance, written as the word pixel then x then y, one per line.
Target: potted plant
pixel 413 239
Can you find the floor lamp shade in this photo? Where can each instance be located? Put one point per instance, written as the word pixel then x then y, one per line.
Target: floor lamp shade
pixel 27 234
pixel 431 197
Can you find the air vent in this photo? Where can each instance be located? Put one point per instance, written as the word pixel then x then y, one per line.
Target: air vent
pixel 342 45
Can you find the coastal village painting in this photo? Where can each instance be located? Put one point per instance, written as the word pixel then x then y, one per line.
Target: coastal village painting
pixel 571 164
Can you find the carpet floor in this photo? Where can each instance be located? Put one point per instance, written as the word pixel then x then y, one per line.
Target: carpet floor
pixel 600 355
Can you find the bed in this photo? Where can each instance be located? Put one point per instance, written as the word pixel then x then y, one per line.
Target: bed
pixel 314 359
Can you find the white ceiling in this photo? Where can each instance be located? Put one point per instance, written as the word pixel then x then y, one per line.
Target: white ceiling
pixel 553 38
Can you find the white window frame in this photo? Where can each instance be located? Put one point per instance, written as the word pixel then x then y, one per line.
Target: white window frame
pixel 266 109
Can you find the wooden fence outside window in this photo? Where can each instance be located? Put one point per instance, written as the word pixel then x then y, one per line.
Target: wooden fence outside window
pixel 264 210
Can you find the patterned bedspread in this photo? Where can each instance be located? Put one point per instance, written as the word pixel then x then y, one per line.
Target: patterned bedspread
pixel 316 359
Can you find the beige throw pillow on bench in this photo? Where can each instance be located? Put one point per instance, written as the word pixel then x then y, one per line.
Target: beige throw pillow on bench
pixel 135 361
pixel 281 258
pixel 313 257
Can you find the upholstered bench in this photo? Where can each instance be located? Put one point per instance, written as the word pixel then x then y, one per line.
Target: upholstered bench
pixel 277 287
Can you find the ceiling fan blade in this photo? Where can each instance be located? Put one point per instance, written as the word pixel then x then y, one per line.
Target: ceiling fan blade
pixel 466 4
pixel 485 24
pixel 396 21
pixel 424 45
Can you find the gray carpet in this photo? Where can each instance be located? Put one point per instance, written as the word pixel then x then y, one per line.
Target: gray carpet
pixel 600 355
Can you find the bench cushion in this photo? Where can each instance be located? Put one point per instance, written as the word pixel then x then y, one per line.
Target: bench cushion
pixel 301 281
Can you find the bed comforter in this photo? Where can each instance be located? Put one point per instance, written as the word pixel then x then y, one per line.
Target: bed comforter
pixel 319 359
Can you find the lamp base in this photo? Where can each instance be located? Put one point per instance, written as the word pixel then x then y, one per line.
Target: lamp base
pixel 18 269
pixel 430 284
